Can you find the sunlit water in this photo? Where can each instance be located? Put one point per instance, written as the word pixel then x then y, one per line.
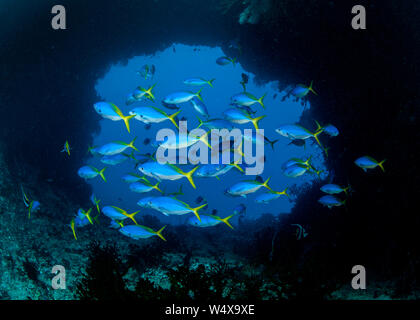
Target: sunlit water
pixel 173 66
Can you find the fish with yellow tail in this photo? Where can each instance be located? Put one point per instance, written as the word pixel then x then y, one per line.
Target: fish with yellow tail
pixel 208 220
pixel 118 214
pixel 169 206
pixel 242 189
pixel 89 172
pixel 367 162
pixel 301 90
pixel 110 111
pixel 66 148
pixel 32 205
pixel 137 232
pixel 167 171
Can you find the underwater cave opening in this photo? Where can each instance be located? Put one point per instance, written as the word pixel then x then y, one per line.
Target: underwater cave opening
pixel 172 66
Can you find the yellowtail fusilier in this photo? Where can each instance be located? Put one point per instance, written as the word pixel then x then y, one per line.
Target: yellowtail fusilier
pixel 240 117
pixel 115 159
pixel 301 90
pixel 270 195
pixel 200 107
pixel 181 97
pixel 110 111
pixel 147 93
pixel 95 202
pixel 141 232
pixel 66 148
pixel 169 206
pixel 153 115
pixel 223 61
pixel 89 172
pixel 132 177
pixel 244 188
pixel 143 186
pixel 168 171
pixel 331 201
pixel 32 205
pixel 247 99
pixel 198 82
pixel 367 162
pixel 116 147
pixel 118 214
pixel 332 188
pixel 208 220
pixel 295 131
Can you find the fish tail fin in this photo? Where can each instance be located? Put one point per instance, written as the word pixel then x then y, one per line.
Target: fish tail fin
pixel 380 164
pixel 200 122
pixel 159 233
pixel 282 192
pixel 131 216
pixel 87 215
pixel 312 90
pixel 72 228
pixel 198 95
pixel 239 150
pixel 126 120
pixel 172 118
pixel 156 186
pixel 347 189
pixel 233 61
pixel 235 164
pixel 189 176
pixel 226 220
pixel 131 144
pixel 210 82
pixel 256 120
pixel 150 93
pixel 315 135
pixel 318 126
pixel 195 210
pixel 101 173
pixel 265 184
pixel 272 143
pixel 260 100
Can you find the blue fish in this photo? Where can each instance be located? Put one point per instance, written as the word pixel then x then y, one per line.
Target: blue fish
pixel 168 171
pixel 32 205
pixel 116 147
pixel 95 202
pixel 247 99
pixel 118 214
pixel 66 148
pixel 170 206
pixel 181 97
pixel 144 186
pixel 239 209
pixel 83 218
pixel 153 115
pixel 208 220
pixel 331 130
pixel 367 162
pixel 334 189
pixel 240 117
pixel 89 172
pixel 269 196
pixel 301 90
pixel 223 61
pixel 200 107
pixel 114 159
pixel 247 187
pixel 295 131
pixel 110 111
pixel 141 232
pixel 331 201
pixel 198 82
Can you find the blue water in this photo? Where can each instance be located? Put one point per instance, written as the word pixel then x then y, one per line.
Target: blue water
pixel 172 67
